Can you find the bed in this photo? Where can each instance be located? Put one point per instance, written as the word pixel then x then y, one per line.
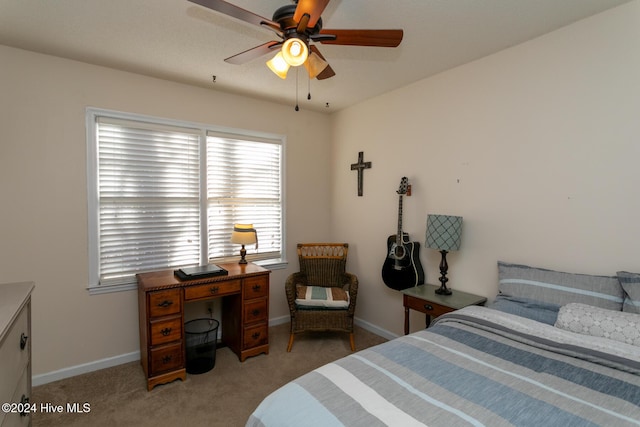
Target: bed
pixel 520 362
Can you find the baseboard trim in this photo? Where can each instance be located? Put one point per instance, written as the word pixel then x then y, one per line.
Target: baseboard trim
pixel 84 368
pixel 279 320
pixel 375 329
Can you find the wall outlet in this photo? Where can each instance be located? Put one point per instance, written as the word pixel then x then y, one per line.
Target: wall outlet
pixel 209 308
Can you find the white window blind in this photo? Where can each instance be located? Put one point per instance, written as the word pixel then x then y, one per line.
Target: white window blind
pixel 163 195
pixel 149 198
pixel 243 186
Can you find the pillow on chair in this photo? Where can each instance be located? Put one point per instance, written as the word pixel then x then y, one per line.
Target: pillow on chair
pixel 321 297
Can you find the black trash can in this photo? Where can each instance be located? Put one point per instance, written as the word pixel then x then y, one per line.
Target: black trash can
pixel 201 339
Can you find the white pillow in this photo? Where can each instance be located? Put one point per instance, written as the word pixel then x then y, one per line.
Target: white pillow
pixel 599 322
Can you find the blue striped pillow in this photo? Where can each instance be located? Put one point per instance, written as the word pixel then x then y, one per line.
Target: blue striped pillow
pixel 630 283
pixel 556 287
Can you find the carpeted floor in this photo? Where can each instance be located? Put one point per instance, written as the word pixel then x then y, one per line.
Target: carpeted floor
pixel 224 396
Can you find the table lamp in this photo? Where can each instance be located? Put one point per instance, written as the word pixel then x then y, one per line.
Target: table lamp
pixel 443 234
pixel 244 234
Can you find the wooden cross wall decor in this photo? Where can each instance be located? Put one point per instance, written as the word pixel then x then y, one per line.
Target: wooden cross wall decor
pixel 360 167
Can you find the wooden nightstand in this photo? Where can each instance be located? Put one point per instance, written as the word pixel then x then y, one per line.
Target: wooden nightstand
pixel 424 299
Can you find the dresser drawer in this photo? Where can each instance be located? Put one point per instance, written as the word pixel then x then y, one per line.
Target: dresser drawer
pixel 255 336
pixel 426 307
pixel 165 358
pixel 212 290
pixel 13 355
pixel 164 331
pixel 21 392
pixel 163 303
pixel 256 287
pixel 255 311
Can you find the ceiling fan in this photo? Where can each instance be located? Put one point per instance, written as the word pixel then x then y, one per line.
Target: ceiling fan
pixel 297 26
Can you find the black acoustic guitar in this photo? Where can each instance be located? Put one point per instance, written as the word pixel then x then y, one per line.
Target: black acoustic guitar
pixel 402 268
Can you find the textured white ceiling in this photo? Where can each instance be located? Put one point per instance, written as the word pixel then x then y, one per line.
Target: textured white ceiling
pixel 181 41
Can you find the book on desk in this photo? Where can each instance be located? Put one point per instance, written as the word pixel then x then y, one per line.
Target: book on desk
pixel 199 272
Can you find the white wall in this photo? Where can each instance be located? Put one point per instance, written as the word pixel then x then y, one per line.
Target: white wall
pixel 537 147
pixel 43 219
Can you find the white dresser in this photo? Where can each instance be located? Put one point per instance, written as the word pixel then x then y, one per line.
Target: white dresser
pixel 15 352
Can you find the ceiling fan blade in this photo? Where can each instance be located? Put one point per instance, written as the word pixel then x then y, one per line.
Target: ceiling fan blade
pixel 303 24
pixel 328 71
pixel 253 53
pixel 313 8
pixel 238 13
pixel 380 38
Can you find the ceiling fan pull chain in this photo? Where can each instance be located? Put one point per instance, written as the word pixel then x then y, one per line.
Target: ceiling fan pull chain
pixel 297 108
pixel 309 88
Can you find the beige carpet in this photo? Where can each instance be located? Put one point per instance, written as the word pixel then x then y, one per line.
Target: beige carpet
pixel 224 396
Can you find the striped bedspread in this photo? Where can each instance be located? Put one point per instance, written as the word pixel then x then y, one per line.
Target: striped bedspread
pixel 473 367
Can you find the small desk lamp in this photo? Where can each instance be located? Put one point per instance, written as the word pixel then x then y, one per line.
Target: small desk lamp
pixel 443 234
pixel 244 234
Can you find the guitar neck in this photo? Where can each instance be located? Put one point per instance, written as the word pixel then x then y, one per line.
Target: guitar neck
pixel 399 235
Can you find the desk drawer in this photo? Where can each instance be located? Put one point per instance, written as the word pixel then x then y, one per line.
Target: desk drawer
pixel 165 358
pixel 210 290
pixel 165 331
pixel 256 287
pixel 255 311
pixel 163 303
pixel 255 336
pixel 426 307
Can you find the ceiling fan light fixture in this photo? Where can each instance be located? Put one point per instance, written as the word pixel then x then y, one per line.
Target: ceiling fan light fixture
pixel 315 65
pixel 278 65
pixel 295 51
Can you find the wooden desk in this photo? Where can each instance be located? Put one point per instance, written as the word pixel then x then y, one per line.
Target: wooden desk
pixel 161 298
pixel 424 299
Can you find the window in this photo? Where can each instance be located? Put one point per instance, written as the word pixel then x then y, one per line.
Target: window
pixel 164 194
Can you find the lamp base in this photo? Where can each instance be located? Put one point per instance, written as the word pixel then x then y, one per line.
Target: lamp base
pixel 243 253
pixel 443 290
pixel 444 267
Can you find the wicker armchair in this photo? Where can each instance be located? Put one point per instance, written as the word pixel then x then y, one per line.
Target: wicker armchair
pixel 322 265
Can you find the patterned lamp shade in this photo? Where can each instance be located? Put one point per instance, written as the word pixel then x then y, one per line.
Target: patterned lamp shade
pixel 444 232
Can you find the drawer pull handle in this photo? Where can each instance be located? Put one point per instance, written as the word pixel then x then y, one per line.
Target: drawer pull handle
pixel 214 289
pixel 255 312
pixel 428 307
pixel 165 304
pixel 256 288
pixel 255 335
pixel 166 331
pixel 23 341
pixel 166 359
pixel 25 403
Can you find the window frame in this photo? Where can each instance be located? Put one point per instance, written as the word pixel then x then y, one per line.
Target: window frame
pixel 93 203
